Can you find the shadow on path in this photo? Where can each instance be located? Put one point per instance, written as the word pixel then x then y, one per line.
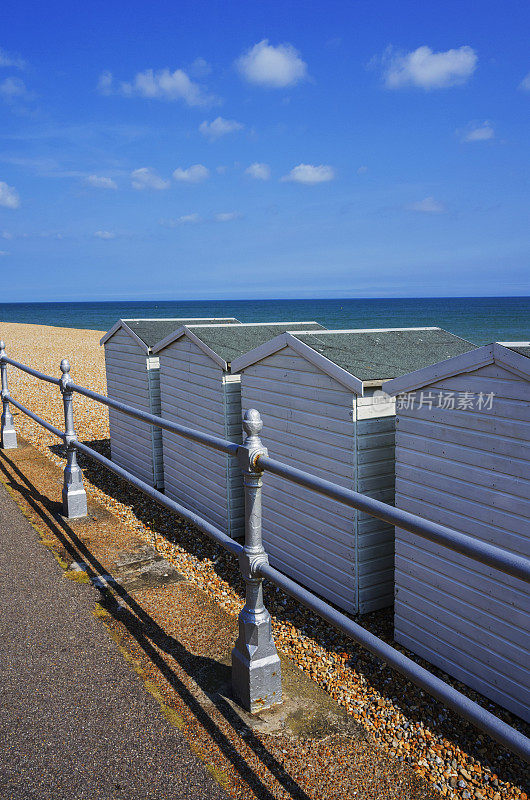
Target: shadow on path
pixel 152 639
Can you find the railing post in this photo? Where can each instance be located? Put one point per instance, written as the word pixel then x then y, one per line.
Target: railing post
pixel 74 495
pixel 256 670
pixel 8 434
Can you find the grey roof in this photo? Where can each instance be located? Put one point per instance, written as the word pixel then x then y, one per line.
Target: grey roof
pixel 152 331
pixel 524 350
pixel 380 355
pixel 229 343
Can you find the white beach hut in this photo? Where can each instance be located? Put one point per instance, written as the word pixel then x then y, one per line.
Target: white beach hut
pixel 199 389
pixel 133 378
pixel 320 400
pixel 463 460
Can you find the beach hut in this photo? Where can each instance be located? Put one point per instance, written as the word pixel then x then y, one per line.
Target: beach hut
pixel 320 398
pixel 133 378
pixel 199 389
pixel 463 460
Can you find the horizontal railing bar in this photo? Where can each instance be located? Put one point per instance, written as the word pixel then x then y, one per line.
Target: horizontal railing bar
pixel 216 443
pixel 210 530
pixel 34 417
pixel 488 554
pixel 31 371
pixel 511 738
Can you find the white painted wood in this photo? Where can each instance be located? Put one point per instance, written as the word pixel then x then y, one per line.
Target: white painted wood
pixel 469 470
pixel 313 421
pixel 196 392
pixel 513 364
pixel 375 546
pixel 132 379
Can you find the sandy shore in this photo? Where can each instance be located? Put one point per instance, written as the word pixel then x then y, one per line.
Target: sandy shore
pixel 407 724
pixel 43 347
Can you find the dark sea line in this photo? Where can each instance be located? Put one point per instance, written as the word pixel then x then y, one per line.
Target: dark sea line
pixel 478 319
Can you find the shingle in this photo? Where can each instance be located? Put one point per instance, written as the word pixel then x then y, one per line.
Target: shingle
pixel 381 355
pixel 152 331
pixel 524 350
pixel 234 341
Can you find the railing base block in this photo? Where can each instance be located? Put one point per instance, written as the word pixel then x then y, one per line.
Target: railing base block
pixel 256 667
pixel 9 440
pixel 74 503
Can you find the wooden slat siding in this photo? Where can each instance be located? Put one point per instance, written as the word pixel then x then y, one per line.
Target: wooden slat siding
pixel 127 381
pixel 479 440
pixel 453 576
pixel 307 421
pixel 468 619
pixel 192 393
pixel 475 666
pixel 375 477
pixel 461 455
pixel 461 472
pixel 234 477
pixel 296 396
pixel 460 487
pixel 153 376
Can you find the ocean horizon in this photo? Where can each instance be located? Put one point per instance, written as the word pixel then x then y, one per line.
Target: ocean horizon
pixel 478 319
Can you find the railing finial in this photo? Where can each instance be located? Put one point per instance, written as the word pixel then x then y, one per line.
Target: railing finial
pixel 252 422
pixel 252 425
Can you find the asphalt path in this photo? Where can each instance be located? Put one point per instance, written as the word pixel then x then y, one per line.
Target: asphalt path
pixel 76 722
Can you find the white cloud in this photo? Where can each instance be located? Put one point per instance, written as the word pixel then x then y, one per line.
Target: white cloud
pixel 185 219
pixel 105 83
pixel 277 67
pixel 159 85
pixel 309 174
pixel 479 133
pixel 227 216
pixel 194 174
pixel 362 170
pixel 4 253
pixel 200 68
pixel 6 235
pixel 260 172
pixel 101 182
pixel 104 235
pixel 10 60
pixel 525 83
pixel 11 88
pixel 429 70
pixel 147 178
pixel 221 169
pixel 52 235
pixel 9 197
pixel 427 206
pixel 219 127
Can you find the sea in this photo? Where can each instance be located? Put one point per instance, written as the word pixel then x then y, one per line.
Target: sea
pixel 480 320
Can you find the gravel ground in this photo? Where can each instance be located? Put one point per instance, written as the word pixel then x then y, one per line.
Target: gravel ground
pixel 450 754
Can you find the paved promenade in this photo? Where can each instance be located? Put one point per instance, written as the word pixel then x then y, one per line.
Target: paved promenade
pixel 75 721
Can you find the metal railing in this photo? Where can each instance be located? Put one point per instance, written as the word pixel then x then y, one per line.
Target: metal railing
pixel 256 671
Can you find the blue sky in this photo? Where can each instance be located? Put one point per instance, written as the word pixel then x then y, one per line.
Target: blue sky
pixel 200 150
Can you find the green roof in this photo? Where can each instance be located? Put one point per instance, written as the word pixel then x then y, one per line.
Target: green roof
pixel 524 350
pixel 230 342
pixel 152 331
pixel 381 355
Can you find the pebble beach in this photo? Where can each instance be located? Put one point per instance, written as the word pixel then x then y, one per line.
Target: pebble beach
pixel 452 756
